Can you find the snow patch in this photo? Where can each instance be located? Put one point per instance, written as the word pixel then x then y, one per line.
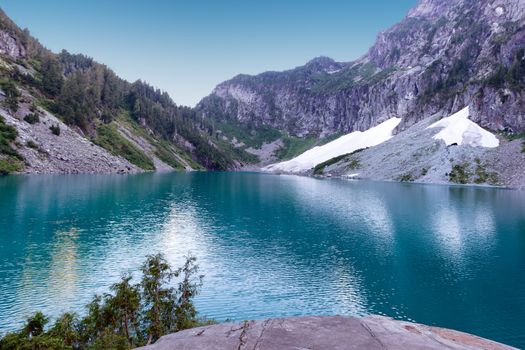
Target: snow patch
pixel 345 144
pixel 500 10
pixel 458 129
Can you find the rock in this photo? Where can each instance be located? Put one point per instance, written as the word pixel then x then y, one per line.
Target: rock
pixel 436 60
pixel 10 46
pixel 336 332
pixel 66 153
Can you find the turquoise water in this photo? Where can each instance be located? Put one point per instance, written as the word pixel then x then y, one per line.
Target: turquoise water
pixel 271 246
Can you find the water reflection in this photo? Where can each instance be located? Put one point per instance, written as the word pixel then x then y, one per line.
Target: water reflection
pixel 63 277
pixel 271 246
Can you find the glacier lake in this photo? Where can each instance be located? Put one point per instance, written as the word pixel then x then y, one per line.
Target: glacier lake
pixel 271 246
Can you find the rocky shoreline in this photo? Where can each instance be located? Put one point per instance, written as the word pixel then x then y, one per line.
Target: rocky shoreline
pixel 334 332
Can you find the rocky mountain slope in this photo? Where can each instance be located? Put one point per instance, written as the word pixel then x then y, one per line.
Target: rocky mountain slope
pixel 64 113
pixel 443 56
pixel 417 154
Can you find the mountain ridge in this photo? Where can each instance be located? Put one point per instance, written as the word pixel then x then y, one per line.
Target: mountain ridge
pixel 53 103
pixel 442 56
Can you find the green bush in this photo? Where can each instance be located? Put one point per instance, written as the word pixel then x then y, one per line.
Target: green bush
pixel 460 174
pixel 130 315
pixel 55 129
pixel 354 164
pixel 319 168
pixel 109 138
pixel 31 144
pixel 32 118
pixel 406 178
pixel 10 159
pixel 10 165
pixel 483 176
pixel 11 94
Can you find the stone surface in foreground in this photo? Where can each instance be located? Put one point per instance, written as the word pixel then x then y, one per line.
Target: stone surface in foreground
pixel 373 332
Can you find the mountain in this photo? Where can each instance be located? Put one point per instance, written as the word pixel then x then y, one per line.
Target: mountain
pixel 444 55
pixel 65 113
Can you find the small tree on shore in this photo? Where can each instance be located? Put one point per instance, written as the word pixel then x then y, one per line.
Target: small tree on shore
pixel 130 315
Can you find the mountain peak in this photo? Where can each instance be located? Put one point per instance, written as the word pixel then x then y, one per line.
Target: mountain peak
pixel 426 8
pixel 322 61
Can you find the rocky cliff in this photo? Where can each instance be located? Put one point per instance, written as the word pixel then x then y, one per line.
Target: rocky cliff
pixel 444 55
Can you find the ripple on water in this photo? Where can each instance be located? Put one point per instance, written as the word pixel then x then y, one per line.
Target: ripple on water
pixel 271 246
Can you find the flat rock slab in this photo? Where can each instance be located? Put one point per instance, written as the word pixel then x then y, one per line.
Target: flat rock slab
pixel 301 333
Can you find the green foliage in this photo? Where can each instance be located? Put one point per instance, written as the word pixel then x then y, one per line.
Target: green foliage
pixel 406 178
pixel 90 94
pixel 11 94
pixel 156 109
pixel 512 76
pixel 51 72
pixel 55 129
pixel 483 176
pixel 32 118
pixel 10 165
pixel 358 75
pixel 294 146
pixel 8 134
pixel 10 159
pixel 109 138
pixel 251 136
pixel 460 174
pixel 319 168
pixel 130 315
pixel 31 144
pixel 84 93
pixel 166 151
pixel 353 163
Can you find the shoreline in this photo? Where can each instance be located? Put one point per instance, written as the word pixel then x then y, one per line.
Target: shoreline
pixel 259 171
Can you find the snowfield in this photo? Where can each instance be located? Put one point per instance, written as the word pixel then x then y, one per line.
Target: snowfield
pixel 343 145
pixel 458 129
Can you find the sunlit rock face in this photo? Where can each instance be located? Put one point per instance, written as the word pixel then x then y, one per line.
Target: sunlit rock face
pixel 10 46
pixel 335 333
pixel 442 56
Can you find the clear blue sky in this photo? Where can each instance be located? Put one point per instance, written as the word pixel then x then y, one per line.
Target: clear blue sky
pixel 186 47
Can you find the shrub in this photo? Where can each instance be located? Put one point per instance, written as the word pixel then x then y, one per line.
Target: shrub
pixel 406 178
pixel 31 144
pixel 354 164
pixel 482 176
pixel 130 315
pixel 10 165
pixel 55 129
pixel 11 93
pixel 459 174
pixel 32 118
pixel 10 159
